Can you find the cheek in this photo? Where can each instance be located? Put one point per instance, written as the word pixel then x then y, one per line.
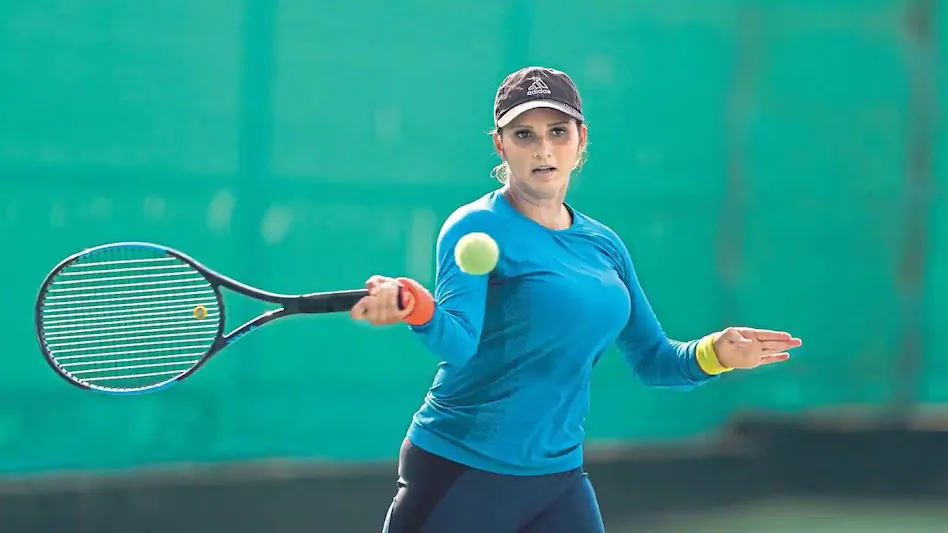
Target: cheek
pixel 568 152
pixel 516 155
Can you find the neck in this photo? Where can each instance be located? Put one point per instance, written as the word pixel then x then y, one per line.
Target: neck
pixel 549 212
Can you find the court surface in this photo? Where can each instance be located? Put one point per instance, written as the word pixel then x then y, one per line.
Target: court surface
pixel 811 516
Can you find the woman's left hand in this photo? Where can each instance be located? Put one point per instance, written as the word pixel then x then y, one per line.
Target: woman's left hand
pixel 745 348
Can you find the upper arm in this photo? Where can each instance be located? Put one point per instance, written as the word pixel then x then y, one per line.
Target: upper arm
pixel 655 359
pixel 643 333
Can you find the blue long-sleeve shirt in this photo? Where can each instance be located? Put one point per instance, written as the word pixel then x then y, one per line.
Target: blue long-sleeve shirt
pixel 518 346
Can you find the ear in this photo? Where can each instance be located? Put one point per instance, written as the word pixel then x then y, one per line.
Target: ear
pixel 499 144
pixel 583 135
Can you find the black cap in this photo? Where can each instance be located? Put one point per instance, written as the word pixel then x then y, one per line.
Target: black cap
pixel 533 87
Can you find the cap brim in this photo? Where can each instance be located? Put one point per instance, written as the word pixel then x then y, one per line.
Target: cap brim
pixel 518 110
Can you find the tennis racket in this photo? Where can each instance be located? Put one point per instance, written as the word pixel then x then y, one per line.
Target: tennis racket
pixel 134 317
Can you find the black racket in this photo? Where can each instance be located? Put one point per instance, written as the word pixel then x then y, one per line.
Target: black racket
pixel 133 317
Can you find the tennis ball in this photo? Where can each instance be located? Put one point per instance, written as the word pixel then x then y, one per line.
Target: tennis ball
pixel 200 312
pixel 476 253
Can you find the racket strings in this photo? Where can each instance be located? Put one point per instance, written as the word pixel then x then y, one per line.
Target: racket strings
pixel 129 317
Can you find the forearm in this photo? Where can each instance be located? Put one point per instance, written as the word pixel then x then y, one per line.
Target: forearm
pixel 669 363
pixel 452 330
pixel 449 336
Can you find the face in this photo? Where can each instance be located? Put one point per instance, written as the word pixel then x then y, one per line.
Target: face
pixel 541 147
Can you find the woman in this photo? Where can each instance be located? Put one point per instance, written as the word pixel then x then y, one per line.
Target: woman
pixel 497 444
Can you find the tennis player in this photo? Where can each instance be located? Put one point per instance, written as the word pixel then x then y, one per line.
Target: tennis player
pixel 497 444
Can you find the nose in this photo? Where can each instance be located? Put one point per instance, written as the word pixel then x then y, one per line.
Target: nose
pixel 544 150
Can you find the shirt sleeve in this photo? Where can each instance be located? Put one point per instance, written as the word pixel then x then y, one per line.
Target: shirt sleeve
pixel 454 331
pixel 655 359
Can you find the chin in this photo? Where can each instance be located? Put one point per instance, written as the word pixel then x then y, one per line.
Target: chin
pixel 551 187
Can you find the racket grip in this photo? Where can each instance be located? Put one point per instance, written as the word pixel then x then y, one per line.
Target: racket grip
pixel 330 302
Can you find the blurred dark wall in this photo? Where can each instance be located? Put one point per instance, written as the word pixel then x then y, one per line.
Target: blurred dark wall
pixel 755 461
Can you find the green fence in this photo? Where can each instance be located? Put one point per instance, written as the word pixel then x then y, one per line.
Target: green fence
pixel 303 146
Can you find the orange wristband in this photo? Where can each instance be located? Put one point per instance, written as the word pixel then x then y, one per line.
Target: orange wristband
pixel 417 301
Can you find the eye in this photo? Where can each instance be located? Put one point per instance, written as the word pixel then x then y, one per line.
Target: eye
pixel 558 131
pixel 522 134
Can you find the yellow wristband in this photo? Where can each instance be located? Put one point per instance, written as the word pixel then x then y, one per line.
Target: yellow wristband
pixel 707 358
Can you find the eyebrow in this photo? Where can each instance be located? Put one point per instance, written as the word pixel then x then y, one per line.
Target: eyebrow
pixel 551 124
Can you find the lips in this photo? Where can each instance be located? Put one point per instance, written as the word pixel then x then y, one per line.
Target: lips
pixel 544 170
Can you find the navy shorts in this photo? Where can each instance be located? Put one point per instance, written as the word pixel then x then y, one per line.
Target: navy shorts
pixel 435 495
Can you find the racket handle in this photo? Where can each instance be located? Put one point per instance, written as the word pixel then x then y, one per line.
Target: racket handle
pixel 330 302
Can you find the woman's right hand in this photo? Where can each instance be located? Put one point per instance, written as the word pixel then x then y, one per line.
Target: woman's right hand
pixel 381 306
pixel 394 300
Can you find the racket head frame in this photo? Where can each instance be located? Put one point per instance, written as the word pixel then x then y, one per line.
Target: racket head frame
pixel 157 248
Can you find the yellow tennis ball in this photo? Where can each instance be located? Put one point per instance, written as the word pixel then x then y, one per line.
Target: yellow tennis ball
pixel 200 312
pixel 476 253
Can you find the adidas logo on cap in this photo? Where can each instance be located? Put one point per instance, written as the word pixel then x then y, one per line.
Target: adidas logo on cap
pixel 538 87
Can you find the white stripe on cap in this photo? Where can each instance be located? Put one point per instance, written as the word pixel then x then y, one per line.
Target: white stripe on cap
pixel 518 110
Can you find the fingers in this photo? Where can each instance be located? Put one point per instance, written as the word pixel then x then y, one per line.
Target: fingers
pixel 764 335
pixel 778 346
pixel 376 309
pixel 381 306
pixel 775 358
pixel 359 310
pixel 374 282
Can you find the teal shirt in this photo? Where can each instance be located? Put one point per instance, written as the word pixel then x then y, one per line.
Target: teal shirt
pixel 518 346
